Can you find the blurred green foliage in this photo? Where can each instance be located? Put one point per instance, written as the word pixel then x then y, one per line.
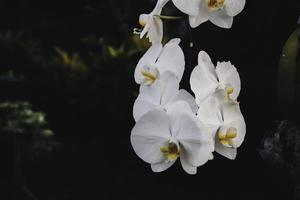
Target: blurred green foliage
pixel 71 68
pixel 289 76
pixel 61 68
pixel 29 129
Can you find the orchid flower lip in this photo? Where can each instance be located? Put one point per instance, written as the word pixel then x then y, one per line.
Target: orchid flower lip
pixel 226 136
pixel 150 74
pixel 172 151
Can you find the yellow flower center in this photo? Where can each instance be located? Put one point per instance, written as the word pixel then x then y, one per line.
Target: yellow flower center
pixel 229 90
pixel 215 5
pixel 149 77
pixel 226 138
pixel 171 152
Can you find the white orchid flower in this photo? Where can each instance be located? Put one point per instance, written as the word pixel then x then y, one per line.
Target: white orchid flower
pixel 152 23
pixel 158 60
pixel 160 138
pixel 161 95
pixel 219 12
pixel 226 124
pixel 206 79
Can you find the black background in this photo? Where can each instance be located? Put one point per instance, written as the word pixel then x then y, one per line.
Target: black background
pixel 96 160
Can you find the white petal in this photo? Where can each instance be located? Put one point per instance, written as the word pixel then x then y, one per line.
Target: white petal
pixel 209 113
pixel 175 111
pixel 240 125
pixel 197 152
pixel 162 166
pixel 201 17
pixel 171 59
pixel 221 95
pixel 228 74
pixel 148 59
pixel 150 133
pixel 159 6
pixel 234 7
pixel 187 6
pixel 196 144
pixel 204 59
pixel 221 19
pixel 227 152
pixel 211 156
pixel 233 118
pixel 183 95
pixel 203 83
pixel 170 87
pixel 188 168
pixel 231 112
pixel 142 106
pixel 161 91
pixel 155 32
pixel 156 95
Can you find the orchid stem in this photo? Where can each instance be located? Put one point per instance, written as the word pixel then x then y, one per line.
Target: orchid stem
pixel 168 17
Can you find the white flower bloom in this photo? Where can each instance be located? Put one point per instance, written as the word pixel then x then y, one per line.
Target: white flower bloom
pixel 158 60
pixel 161 95
pixel 206 79
pixel 152 24
pixel 160 138
pixel 226 124
pixel 219 12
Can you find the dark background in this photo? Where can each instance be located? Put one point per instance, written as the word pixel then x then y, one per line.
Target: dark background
pixel 88 103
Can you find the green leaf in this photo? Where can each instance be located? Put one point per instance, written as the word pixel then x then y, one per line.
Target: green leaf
pixel 288 76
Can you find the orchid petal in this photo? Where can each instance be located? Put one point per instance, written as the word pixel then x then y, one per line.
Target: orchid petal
pixel 203 82
pixel 205 60
pixel 227 152
pixel 188 168
pixel 175 111
pixel 170 87
pixel 171 59
pixel 142 106
pixel 228 75
pixel 201 16
pixel 156 95
pixel 193 140
pixel 221 19
pixel 162 166
pixel 187 6
pixel 233 117
pixel 149 134
pixel 148 59
pixel 161 91
pixel 159 6
pixel 209 113
pixel 183 95
pixel 234 7
pixel 240 125
pixel 197 152
pixel 231 112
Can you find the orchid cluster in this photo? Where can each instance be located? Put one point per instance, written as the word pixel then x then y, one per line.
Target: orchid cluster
pixel 171 123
